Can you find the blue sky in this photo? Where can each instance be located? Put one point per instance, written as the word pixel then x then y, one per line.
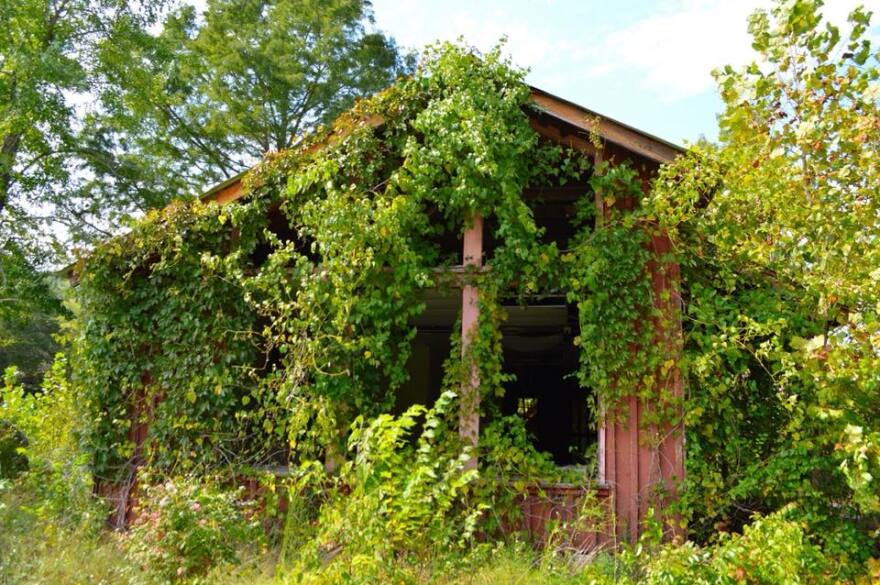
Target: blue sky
pixel 644 62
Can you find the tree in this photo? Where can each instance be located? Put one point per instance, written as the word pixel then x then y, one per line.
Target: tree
pixel 209 99
pixel 45 59
pixel 103 118
pixel 46 54
pixel 778 232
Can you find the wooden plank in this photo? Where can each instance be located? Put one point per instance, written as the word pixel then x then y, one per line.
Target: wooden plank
pixel 554 134
pixel 229 193
pixel 469 413
pixel 610 130
pixel 671 453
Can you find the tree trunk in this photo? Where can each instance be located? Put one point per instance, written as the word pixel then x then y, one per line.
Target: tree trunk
pixel 8 153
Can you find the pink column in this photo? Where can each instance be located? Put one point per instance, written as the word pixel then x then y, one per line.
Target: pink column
pixel 644 465
pixel 670 454
pixel 638 462
pixel 469 415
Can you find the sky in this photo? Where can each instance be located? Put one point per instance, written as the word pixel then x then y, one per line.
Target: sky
pixel 646 63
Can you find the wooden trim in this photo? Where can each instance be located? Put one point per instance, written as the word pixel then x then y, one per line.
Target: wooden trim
pixel 227 194
pixel 556 135
pixel 585 120
pixel 469 413
pixel 629 138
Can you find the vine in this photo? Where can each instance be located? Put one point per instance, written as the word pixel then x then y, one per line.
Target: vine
pixel 231 334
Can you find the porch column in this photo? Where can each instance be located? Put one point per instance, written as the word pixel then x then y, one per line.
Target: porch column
pixel 469 413
pixel 644 464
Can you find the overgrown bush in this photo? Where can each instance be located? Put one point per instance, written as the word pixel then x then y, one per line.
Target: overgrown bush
pixel 773 550
pixel 401 505
pixel 49 520
pixel 40 548
pixel 12 442
pixel 186 526
pixel 51 423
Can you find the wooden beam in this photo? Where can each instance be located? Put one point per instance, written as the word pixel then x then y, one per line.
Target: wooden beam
pixel 610 130
pixel 228 194
pixel 469 413
pixel 556 135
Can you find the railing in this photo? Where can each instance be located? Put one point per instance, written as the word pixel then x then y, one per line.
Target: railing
pixel 576 518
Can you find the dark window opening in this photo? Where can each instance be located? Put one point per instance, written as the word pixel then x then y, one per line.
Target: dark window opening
pixel 278 224
pixel 538 344
pixel 430 349
pixel 445 239
pixel 555 210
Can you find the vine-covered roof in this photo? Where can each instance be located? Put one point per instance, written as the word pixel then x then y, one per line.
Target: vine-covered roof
pixel 578 124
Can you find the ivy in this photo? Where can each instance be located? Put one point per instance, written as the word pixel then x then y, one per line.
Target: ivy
pixel 232 339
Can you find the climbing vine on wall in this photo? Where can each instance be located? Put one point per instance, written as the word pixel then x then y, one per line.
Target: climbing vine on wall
pixel 227 334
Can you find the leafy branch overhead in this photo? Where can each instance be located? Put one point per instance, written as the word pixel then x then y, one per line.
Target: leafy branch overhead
pixel 111 108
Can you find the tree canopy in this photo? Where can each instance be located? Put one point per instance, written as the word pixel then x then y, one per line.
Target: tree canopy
pixel 111 108
pixel 777 228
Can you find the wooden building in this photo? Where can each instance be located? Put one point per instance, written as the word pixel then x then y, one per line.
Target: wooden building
pixel 639 466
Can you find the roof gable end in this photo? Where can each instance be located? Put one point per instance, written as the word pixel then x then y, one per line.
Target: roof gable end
pixel 577 118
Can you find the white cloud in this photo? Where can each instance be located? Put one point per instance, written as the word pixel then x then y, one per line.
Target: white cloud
pixel 674 51
pixel 415 24
pixel 670 53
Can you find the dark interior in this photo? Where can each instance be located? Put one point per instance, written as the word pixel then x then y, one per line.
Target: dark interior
pixel 538 339
pixel 430 349
pixel 538 342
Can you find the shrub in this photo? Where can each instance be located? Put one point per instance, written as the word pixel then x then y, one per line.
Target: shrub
pixel 185 527
pixel 400 508
pixel 47 426
pixel 12 442
pixel 773 550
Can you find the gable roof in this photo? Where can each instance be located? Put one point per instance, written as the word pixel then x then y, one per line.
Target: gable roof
pixel 578 125
pixel 610 130
pixel 554 117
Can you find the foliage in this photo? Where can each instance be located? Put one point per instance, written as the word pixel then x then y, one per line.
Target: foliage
pixel 187 526
pixel 102 118
pixel 606 278
pixel 777 233
pixel 49 519
pixel 37 549
pixel 216 91
pixel 46 56
pixel 771 550
pixel 88 139
pixel 401 505
pixel 225 329
pixel 320 333
pixel 169 331
pixel 50 423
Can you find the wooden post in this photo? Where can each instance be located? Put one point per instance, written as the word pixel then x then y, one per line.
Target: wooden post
pixel 469 413
pixel 643 465
pixel 666 276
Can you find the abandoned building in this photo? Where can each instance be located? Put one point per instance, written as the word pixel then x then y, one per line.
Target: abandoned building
pixel 538 343
pixel 537 338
